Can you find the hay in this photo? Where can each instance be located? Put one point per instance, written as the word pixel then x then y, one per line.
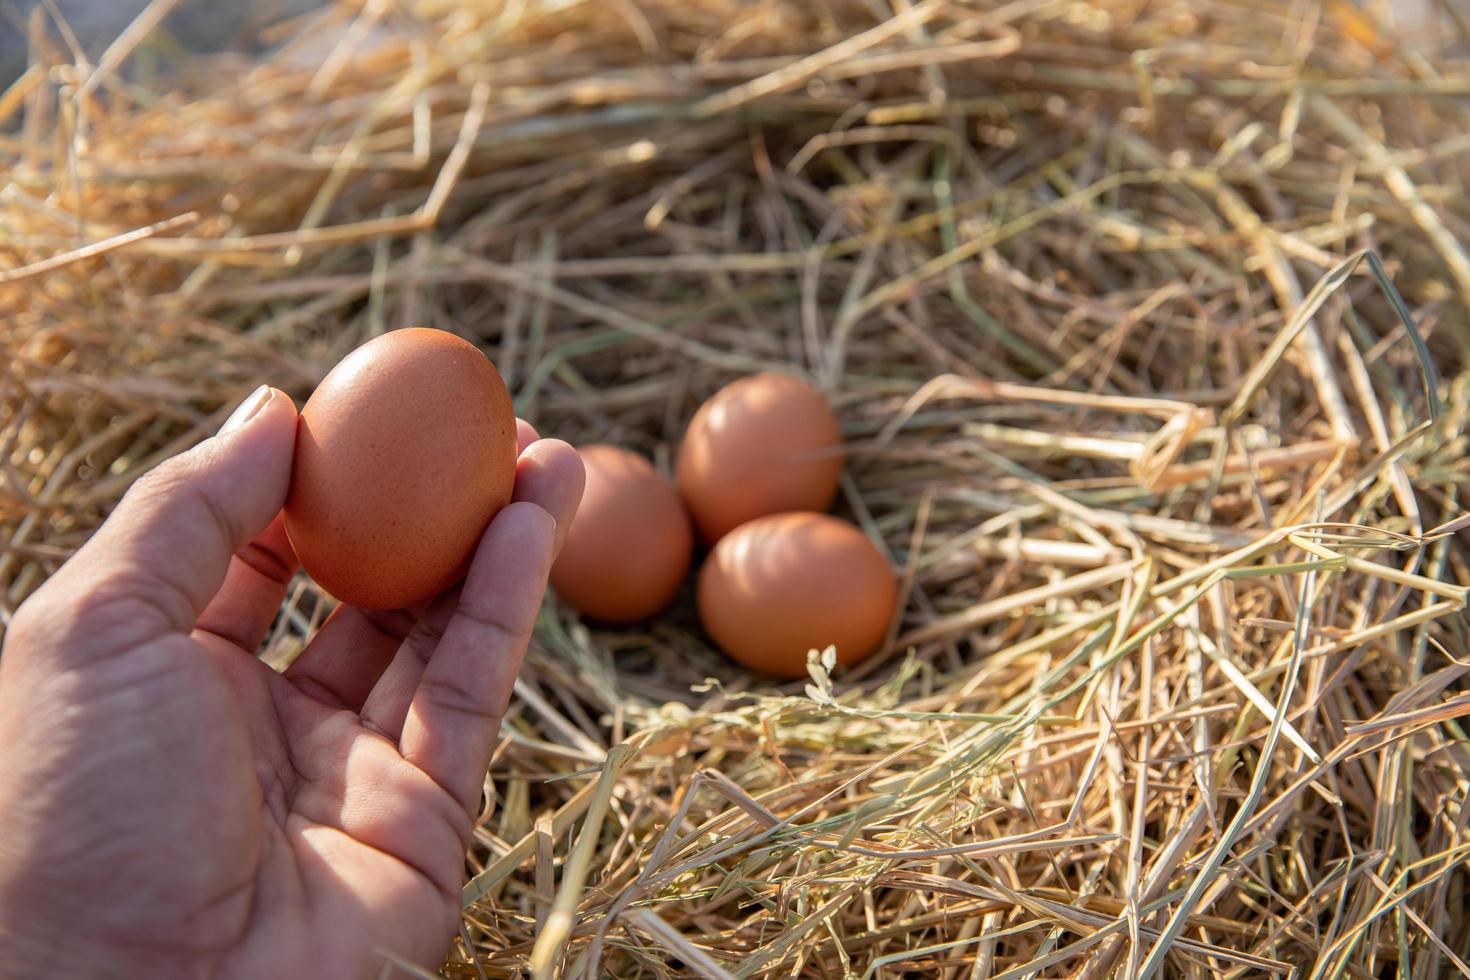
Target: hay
pixel 1178 685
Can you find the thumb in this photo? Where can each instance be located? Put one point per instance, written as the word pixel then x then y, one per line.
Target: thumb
pixel 166 547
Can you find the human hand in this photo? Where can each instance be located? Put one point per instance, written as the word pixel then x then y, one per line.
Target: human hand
pixel 170 806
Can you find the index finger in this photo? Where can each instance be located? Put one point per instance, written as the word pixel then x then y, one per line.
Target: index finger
pixel 246 604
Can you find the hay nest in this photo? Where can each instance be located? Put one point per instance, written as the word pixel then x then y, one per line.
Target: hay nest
pixel 1170 469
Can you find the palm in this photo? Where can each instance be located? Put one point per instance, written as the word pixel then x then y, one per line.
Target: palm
pixel 355 843
pixel 217 817
pixel 294 823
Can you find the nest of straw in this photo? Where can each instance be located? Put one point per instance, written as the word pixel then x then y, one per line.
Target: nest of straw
pixel 1171 469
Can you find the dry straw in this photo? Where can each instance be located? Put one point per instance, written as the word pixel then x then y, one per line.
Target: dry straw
pixel 1173 486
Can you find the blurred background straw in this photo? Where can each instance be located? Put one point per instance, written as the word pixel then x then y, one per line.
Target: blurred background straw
pixel 1171 467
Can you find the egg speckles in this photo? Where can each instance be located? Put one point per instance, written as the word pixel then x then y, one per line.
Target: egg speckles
pixel 781 585
pixel 628 548
pixel 765 444
pixel 403 454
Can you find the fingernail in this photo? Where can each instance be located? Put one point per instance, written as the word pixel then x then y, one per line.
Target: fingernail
pixel 247 410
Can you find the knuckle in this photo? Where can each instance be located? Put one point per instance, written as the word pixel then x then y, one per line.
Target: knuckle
pixel 492 621
pixel 266 561
pixel 19 632
pixel 457 821
pixel 452 695
pixel 104 611
pixel 175 484
pixel 117 607
pixel 424 638
pixel 395 625
pixel 163 481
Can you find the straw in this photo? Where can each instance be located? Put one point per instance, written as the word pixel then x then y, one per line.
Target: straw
pixel 1146 323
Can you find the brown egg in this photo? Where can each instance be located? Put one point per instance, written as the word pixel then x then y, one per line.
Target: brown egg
pixel 765 444
pixel 628 548
pixel 403 454
pixel 784 584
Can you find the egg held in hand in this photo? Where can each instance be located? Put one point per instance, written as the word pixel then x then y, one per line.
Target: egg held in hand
pixel 762 445
pixel 784 584
pixel 403 454
pixel 628 548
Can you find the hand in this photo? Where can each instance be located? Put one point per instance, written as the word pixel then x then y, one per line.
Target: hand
pixel 170 806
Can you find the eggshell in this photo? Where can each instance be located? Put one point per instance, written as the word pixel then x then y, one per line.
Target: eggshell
pixel 403 454
pixel 781 585
pixel 628 548
pixel 765 444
